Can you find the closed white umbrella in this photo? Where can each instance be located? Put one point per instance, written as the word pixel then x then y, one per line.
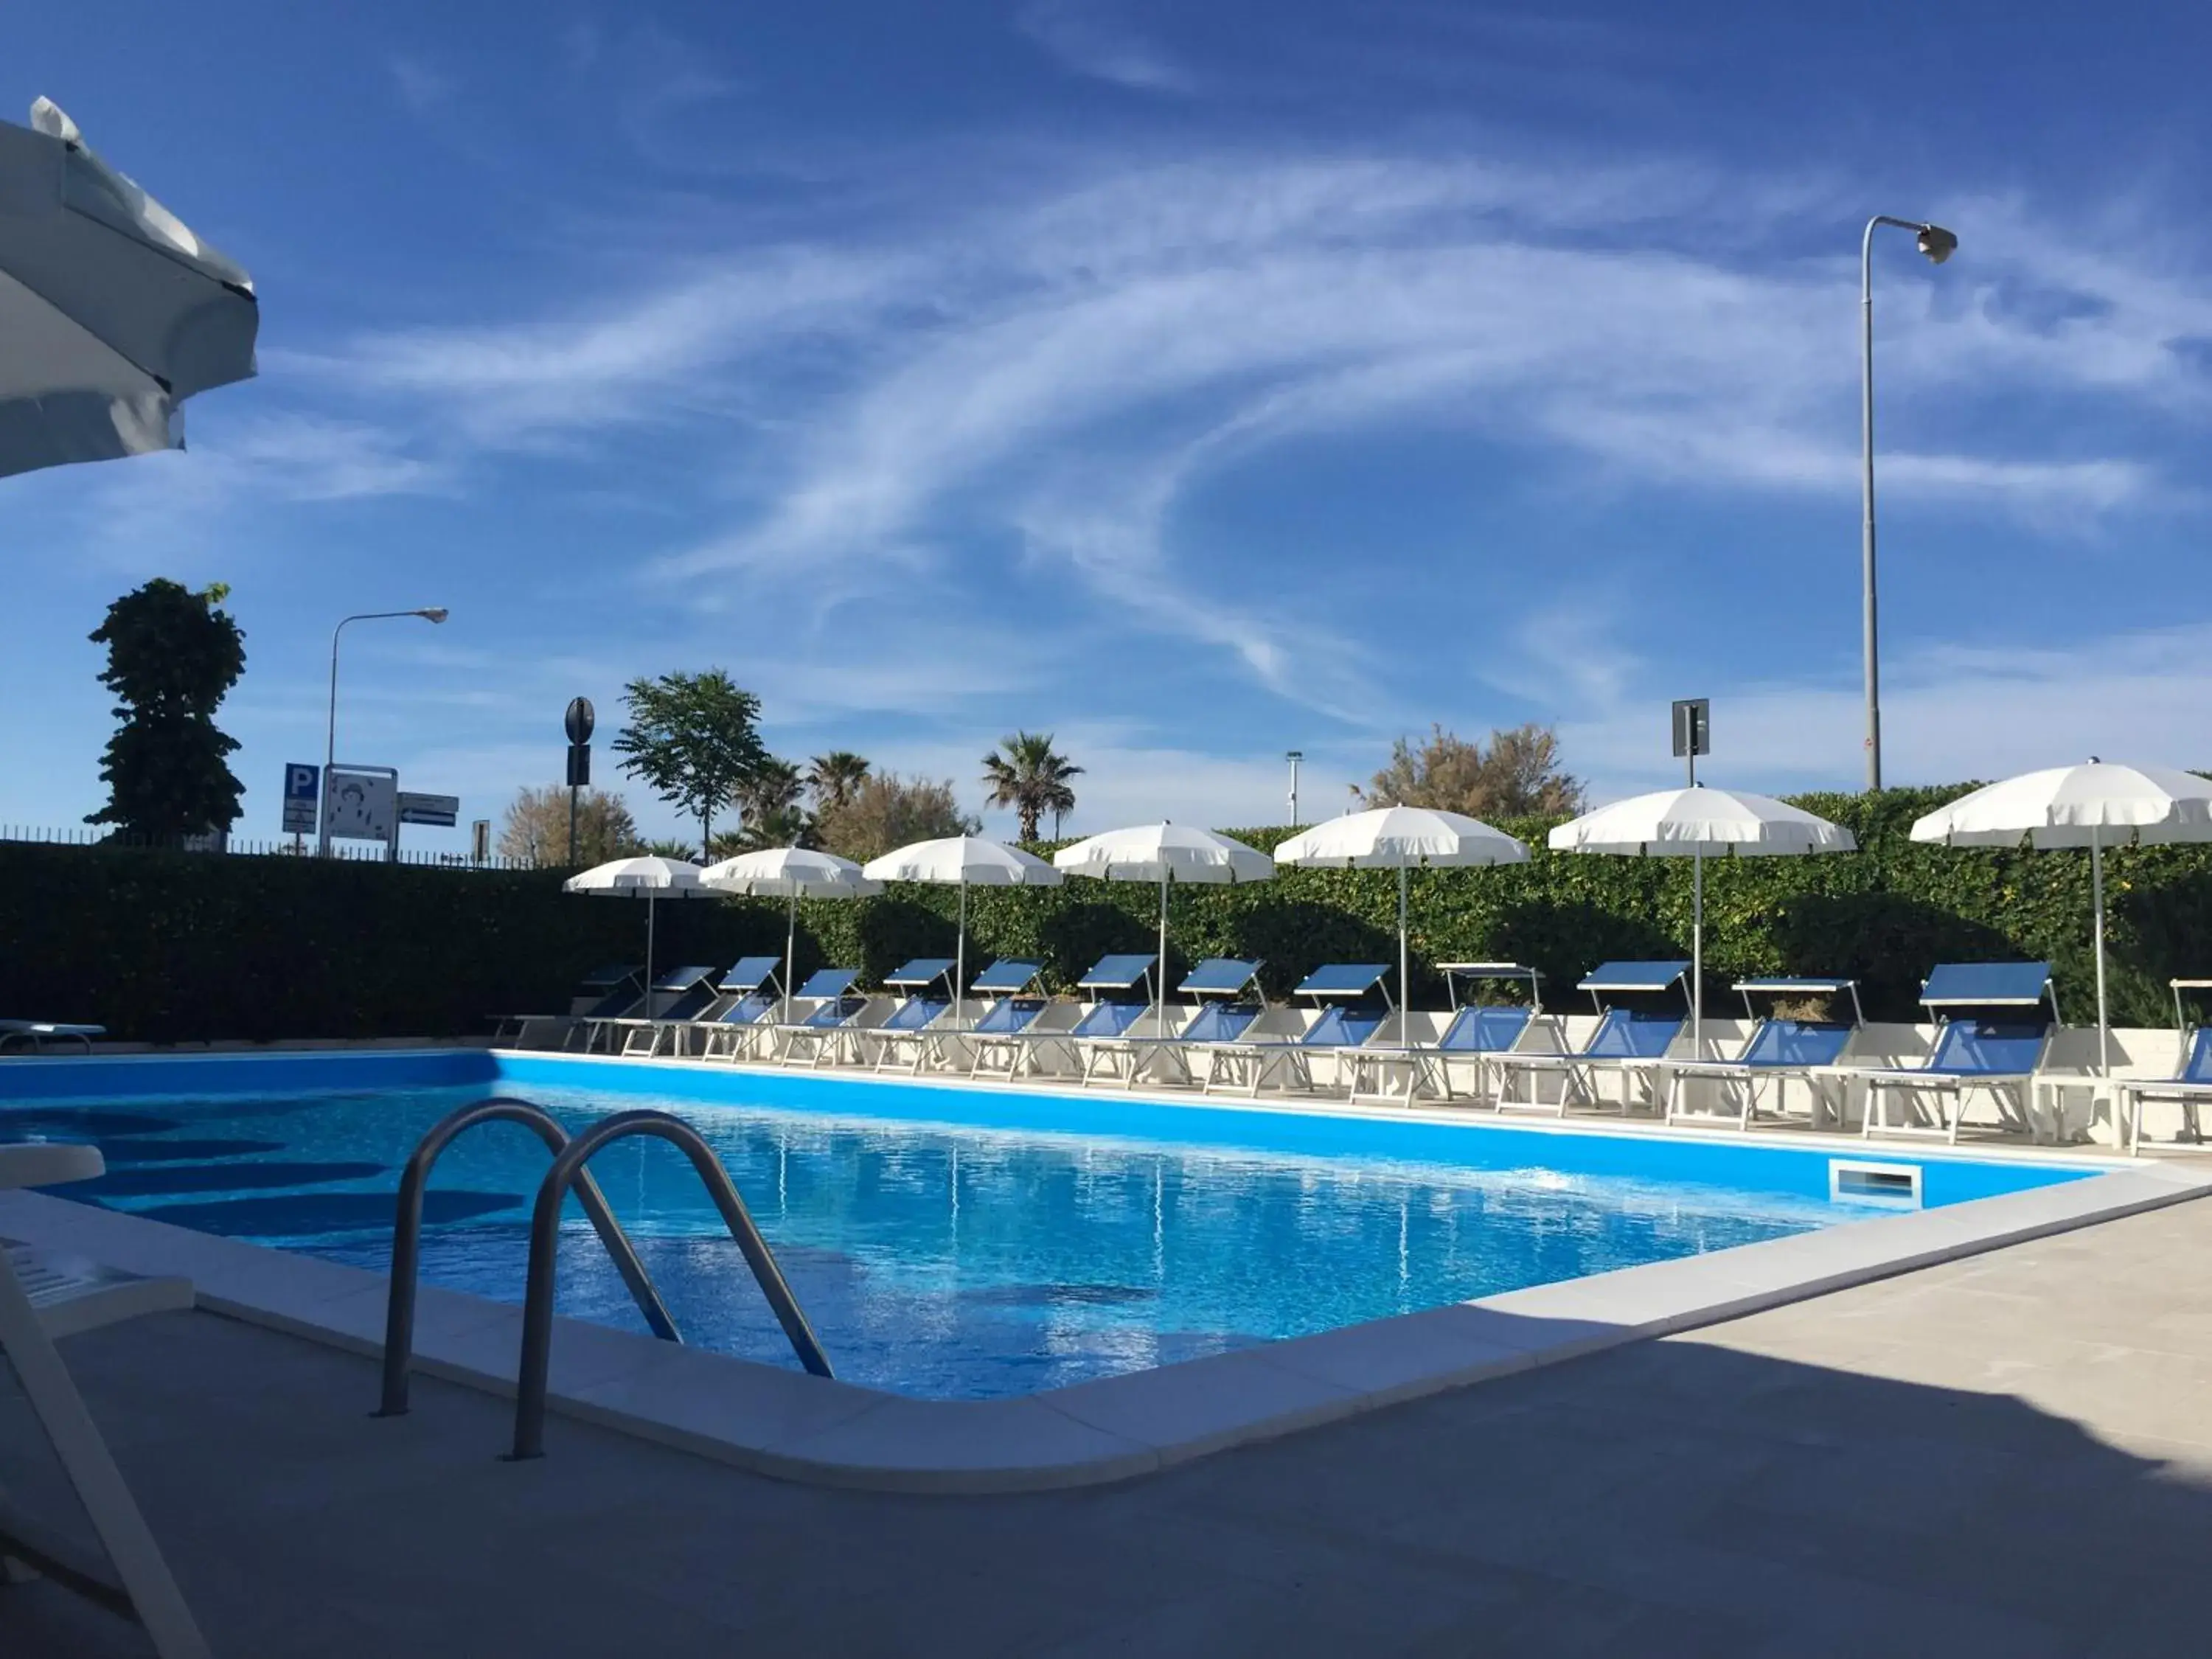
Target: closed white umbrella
pixel 792 873
pixel 646 877
pixel 1164 853
pixel 964 861
pixel 1400 838
pixel 1700 822
pixel 2097 804
pixel 112 312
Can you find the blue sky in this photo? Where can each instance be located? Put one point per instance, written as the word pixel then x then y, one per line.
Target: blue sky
pixel 1195 383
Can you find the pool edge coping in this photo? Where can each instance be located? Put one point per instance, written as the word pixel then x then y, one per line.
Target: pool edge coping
pixel 819 1431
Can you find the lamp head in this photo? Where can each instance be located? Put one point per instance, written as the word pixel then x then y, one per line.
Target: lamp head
pixel 1937 243
pixel 436 613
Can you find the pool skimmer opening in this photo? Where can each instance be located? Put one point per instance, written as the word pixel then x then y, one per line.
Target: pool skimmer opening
pixel 1896 1185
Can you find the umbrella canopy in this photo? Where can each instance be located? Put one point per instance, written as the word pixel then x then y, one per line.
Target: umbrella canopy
pixel 649 878
pixel 964 861
pixel 1400 838
pixel 1165 853
pixel 113 312
pixel 791 873
pixel 1698 823
pixel 2097 804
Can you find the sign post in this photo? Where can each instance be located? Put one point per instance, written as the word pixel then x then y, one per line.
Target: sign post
pixel 480 842
pixel 578 723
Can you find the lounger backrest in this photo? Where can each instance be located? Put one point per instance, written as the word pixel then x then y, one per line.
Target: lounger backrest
pixel 615 1004
pixel 1011 1015
pixel 1792 1042
pixel 692 1004
pixel 748 1011
pixel 1491 1028
pixel 835 1010
pixel 1625 1034
pixel 1109 1019
pixel 914 1013
pixel 1340 1027
pixel 1219 1022
pixel 2197 1068
pixel 1988 1048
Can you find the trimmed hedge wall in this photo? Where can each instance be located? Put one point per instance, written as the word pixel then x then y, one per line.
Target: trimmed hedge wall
pixel 166 947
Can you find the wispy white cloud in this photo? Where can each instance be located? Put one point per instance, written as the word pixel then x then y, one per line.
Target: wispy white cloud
pixel 1049 381
pixel 1087 37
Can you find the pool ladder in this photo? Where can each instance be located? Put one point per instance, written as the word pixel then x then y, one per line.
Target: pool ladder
pixel 570 1154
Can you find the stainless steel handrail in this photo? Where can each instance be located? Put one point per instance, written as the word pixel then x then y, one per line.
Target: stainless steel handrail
pixel 407 1235
pixel 545 1238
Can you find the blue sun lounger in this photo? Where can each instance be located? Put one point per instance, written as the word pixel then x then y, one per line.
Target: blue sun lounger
pixel 600 994
pixel 1475 1031
pixel 1990 1038
pixel 1336 989
pixel 2187 1087
pixel 1775 1051
pixel 1630 1040
pixel 748 996
pixel 1226 999
pixel 679 996
pixel 1009 987
pixel 829 990
pixel 926 986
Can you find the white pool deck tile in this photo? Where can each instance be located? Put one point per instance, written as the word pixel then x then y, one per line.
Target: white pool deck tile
pixel 834 1433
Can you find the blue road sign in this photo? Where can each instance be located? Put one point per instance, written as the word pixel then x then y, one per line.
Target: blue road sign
pixel 302 787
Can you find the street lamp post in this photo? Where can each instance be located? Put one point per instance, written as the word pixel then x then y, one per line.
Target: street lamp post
pixel 435 613
pixel 1294 755
pixel 1938 244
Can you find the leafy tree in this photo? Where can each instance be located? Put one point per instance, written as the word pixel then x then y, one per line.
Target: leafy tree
pixel 535 830
pixel 833 777
pixel 886 810
pixel 172 655
pixel 1026 773
pixel 695 740
pixel 665 848
pixel 772 815
pixel 1518 775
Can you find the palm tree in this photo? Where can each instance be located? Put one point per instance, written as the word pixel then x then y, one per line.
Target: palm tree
pixel 833 778
pixel 1026 773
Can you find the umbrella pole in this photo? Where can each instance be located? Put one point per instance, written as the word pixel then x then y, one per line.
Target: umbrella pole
pixel 1698 953
pixel 2097 897
pixel 790 953
pixel 1404 988
pixel 960 960
pixel 649 898
pixel 1160 980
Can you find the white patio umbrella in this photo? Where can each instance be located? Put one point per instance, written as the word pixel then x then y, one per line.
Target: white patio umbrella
pixel 1400 838
pixel 1700 822
pixel 965 861
pixel 2097 805
pixel 792 873
pixel 111 311
pixel 1165 853
pixel 649 878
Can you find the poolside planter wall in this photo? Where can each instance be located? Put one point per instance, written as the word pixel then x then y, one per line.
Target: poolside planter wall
pixel 168 946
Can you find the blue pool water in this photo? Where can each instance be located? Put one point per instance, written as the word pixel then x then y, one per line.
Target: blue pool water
pixel 945 1242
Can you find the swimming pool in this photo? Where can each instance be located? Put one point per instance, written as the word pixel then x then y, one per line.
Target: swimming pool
pixel 945 1242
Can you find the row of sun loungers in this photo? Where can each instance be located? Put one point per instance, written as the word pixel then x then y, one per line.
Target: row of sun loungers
pixel 1988 1057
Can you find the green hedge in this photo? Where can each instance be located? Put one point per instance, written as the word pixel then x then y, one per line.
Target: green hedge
pixel 176 947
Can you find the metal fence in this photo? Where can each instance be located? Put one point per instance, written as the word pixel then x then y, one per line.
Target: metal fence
pixel 238 846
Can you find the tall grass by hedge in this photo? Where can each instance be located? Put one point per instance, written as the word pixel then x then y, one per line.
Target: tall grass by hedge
pixel 176 947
